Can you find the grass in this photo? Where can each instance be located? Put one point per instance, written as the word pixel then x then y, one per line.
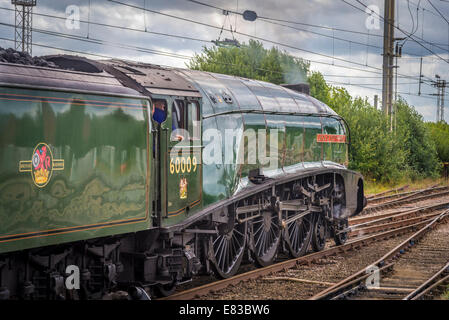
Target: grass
pixel 446 295
pixel 373 187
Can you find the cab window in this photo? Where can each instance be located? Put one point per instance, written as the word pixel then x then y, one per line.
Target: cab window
pixel 159 110
pixel 179 120
pixel 194 120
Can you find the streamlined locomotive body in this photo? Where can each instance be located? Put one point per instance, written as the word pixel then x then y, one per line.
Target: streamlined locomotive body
pixel 139 177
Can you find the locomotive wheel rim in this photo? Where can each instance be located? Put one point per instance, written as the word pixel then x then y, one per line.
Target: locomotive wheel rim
pixel 298 235
pixel 319 234
pixel 227 251
pixel 265 237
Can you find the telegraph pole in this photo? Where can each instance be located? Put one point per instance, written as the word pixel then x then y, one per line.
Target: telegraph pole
pixel 24 24
pixel 398 54
pixel 388 55
pixel 443 89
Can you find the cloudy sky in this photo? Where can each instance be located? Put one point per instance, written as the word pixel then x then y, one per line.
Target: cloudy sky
pixel 342 42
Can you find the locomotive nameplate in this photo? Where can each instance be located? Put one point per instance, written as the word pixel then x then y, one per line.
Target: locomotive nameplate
pixel 331 138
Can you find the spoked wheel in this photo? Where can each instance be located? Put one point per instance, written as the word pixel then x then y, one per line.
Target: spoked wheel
pixel 298 234
pixel 341 238
pixel 227 248
pixel 319 233
pixel 265 237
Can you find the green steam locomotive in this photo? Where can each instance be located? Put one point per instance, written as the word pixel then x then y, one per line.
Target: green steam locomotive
pixel 140 177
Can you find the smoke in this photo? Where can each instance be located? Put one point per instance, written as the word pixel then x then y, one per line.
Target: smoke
pixel 294 70
pixel 294 76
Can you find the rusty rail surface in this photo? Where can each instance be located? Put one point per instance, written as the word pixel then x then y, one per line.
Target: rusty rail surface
pixel 439 279
pixel 354 283
pixel 405 200
pixel 396 190
pixel 396 215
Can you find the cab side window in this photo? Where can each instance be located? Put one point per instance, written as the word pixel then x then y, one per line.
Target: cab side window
pixel 179 120
pixel 194 121
pixel 159 110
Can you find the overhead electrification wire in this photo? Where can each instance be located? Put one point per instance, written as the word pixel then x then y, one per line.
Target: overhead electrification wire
pixel 287 21
pixel 439 12
pixel 379 89
pixel 112 57
pixel 182 37
pixel 247 35
pixel 254 37
pixel 299 29
pixel 103 42
pixel 171 35
pixel 277 22
pixel 307 24
pixel 151 51
pixel 116 26
pixel 413 21
pixel 413 38
pixel 323 35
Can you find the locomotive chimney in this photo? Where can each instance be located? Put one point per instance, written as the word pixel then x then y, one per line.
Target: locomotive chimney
pixel 300 87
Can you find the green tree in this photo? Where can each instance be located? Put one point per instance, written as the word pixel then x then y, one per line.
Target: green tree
pixel 378 153
pixel 414 139
pixel 440 134
pixel 252 61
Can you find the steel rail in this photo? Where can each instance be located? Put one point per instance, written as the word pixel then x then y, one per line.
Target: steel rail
pixel 402 201
pixel 440 277
pixel 410 194
pixel 391 225
pixel 352 283
pixel 403 194
pixel 396 190
pixel 363 222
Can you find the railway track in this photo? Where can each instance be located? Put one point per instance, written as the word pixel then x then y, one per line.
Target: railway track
pixel 399 224
pixel 382 196
pixel 396 196
pixel 422 195
pixel 372 224
pixel 414 269
pixel 433 287
pixel 396 190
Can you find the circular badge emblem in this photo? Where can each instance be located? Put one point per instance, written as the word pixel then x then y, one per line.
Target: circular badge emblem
pixel 42 165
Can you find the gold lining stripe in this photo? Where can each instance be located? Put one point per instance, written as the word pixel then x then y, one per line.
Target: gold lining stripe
pixel 25 166
pixel 58 164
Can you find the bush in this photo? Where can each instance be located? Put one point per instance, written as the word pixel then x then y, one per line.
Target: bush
pixel 440 134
